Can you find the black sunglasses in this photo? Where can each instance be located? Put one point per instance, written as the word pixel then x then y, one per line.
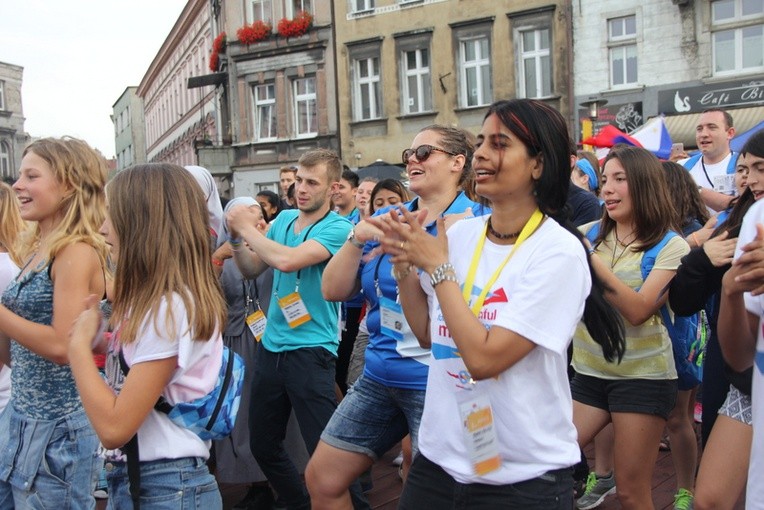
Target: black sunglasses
pixel 422 153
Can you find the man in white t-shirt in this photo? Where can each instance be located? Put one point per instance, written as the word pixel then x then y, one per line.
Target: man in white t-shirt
pixel 711 169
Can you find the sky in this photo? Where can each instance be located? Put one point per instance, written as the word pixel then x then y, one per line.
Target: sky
pixel 78 57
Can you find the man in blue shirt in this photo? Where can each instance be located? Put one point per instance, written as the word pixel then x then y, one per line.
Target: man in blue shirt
pixel 296 359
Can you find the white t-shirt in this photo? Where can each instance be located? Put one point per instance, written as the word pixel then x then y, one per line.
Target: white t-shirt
pixel 8 271
pixel 540 295
pixel 195 376
pixel 754 498
pixel 718 179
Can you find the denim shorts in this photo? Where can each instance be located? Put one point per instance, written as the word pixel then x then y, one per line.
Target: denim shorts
pixel 47 463
pixel 428 486
pixel 165 484
pixel 373 417
pixel 643 396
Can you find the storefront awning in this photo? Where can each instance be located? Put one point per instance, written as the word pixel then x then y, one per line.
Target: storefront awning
pixel 682 127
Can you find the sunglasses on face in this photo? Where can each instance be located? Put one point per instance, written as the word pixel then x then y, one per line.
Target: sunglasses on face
pixel 422 153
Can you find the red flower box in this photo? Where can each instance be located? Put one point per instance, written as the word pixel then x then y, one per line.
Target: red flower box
pixel 295 27
pixel 257 31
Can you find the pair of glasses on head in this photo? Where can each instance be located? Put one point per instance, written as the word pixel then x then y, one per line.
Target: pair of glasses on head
pixel 422 153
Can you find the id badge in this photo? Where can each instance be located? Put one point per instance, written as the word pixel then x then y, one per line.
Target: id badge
pixel 479 431
pixel 391 318
pixel 294 310
pixel 256 322
pixel 724 183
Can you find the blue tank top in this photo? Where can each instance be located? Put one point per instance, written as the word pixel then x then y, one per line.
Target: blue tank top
pixel 41 389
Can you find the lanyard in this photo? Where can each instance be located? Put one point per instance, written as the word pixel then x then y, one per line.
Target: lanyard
pixel 529 228
pixel 286 243
pixel 246 286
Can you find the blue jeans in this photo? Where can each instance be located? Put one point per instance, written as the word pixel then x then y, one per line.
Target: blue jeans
pixel 373 417
pixel 165 484
pixel 428 486
pixel 47 463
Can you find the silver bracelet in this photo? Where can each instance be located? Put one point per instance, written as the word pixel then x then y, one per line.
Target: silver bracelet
pixel 443 273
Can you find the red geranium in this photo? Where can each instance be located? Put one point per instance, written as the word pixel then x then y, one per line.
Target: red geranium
pixel 297 26
pixel 257 31
pixel 218 44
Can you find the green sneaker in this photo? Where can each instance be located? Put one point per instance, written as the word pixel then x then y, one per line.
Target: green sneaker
pixel 597 489
pixel 683 500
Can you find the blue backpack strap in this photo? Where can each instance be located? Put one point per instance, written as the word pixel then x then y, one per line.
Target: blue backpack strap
pixel 648 259
pixel 593 232
pixel 692 161
pixel 732 162
pixel 681 330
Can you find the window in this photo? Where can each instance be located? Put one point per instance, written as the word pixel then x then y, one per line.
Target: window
pixel 417 83
pixel 305 107
pixel 737 36
pixel 2 95
pixel 5 159
pixel 361 5
pixel 295 6
pixel 475 72
pixel 265 111
pixel 622 41
pixel 367 97
pixel 261 10
pixel 535 63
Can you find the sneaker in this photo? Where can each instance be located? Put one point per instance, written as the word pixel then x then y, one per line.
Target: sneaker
pixel 397 461
pixel 100 494
pixel 597 489
pixel 698 412
pixel 683 500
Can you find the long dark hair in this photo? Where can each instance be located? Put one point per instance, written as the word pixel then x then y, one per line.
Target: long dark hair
pixel 653 212
pixel 755 146
pixel 543 132
pixel 684 192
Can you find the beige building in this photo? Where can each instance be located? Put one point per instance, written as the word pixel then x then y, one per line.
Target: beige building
pixel 405 64
pixel 280 89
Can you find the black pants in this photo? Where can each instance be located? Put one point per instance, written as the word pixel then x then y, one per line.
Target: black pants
pixel 428 486
pixel 347 341
pixel 302 379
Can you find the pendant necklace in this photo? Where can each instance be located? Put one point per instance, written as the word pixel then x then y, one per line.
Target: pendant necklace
pixel 613 259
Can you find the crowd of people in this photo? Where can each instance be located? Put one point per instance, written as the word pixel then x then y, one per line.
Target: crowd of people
pixel 510 303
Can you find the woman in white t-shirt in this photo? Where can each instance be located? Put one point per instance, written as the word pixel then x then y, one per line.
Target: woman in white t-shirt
pixel 498 300
pixel 11 225
pixel 168 314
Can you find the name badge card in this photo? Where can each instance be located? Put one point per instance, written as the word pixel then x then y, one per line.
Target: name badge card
pixel 256 322
pixel 294 310
pixel 724 183
pixel 391 318
pixel 479 432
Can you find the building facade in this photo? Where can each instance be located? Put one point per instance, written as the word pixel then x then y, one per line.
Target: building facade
pixel 179 119
pixel 406 64
pixel 13 139
pixel 677 58
pixel 130 140
pixel 280 92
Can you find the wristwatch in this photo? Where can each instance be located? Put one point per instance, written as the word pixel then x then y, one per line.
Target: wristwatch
pixel 352 240
pixel 443 273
